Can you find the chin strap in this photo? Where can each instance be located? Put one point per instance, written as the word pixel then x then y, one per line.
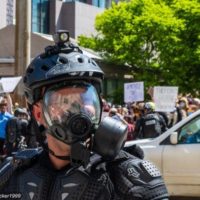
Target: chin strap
pixel 45 147
pixel 57 156
pixel 80 155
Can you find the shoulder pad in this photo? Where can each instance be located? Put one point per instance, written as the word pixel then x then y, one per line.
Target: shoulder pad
pixel 28 153
pixel 143 168
pixel 19 159
pixel 25 157
pixel 135 150
pixel 123 155
pixel 134 177
pixel 96 161
pixel 6 170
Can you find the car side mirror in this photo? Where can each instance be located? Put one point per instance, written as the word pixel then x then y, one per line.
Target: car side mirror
pixel 174 138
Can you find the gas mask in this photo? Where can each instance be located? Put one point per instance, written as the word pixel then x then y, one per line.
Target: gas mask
pixel 73 113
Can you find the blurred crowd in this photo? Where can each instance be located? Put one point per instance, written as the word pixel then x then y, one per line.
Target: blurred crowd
pixel 144 122
pixel 14 123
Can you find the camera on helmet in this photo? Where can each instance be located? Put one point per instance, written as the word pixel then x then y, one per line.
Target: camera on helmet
pixel 62 44
pixel 61 37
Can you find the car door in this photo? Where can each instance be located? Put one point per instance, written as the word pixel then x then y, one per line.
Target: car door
pixel 181 162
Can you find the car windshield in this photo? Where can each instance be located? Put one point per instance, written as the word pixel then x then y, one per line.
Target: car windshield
pixel 190 133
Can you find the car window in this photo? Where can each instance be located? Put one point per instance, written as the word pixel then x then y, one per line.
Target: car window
pixel 190 133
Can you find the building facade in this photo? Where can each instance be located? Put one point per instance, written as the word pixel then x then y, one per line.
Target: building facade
pixel 7 12
pixel 50 15
pixel 97 3
pixel 40 16
pixel 77 16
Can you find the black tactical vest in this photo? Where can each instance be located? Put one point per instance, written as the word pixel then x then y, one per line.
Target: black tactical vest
pixel 151 126
pixel 42 182
pixel 124 178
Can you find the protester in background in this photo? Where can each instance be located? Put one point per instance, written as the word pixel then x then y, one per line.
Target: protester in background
pixel 165 116
pixel 9 103
pixel 124 111
pixel 183 105
pixel 175 116
pixel 4 117
pixel 21 113
pixel 113 112
pixel 138 110
pixel 197 102
pixel 192 108
pixel 106 106
pixel 16 105
pixel 131 127
pixel 193 105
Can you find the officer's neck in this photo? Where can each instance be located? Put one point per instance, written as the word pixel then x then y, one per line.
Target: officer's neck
pixel 58 163
pixel 60 149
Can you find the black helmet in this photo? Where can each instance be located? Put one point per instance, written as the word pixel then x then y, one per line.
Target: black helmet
pixel 19 111
pixel 60 70
pixel 57 64
pixel 149 106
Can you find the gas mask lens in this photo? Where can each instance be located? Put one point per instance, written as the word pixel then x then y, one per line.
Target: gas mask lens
pixel 63 103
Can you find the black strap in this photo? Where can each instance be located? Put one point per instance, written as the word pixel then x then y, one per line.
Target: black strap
pixel 57 156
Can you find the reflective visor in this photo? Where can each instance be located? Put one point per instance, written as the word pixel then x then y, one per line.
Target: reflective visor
pixel 63 102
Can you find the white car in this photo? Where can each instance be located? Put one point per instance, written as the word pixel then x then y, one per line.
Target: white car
pixel 177 154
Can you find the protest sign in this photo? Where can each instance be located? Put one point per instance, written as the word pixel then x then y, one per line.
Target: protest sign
pixel 165 98
pixel 1 88
pixel 9 84
pixel 133 92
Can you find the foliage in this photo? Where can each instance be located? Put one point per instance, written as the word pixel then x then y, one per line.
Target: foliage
pixel 117 96
pixel 160 39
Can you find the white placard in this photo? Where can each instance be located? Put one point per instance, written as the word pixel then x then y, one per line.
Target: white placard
pixel 9 84
pixel 165 98
pixel 133 92
pixel 1 88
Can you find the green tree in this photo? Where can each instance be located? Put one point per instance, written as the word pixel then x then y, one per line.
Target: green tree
pixel 159 39
pixel 186 60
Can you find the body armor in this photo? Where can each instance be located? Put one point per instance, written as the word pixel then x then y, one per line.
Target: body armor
pixel 42 182
pixel 126 177
pixel 150 125
pixel 136 179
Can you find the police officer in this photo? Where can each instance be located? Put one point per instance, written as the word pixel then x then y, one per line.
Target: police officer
pixel 151 124
pixel 16 131
pixel 82 157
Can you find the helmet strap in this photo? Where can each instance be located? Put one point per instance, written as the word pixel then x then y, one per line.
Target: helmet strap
pixel 80 155
pixel 57 156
